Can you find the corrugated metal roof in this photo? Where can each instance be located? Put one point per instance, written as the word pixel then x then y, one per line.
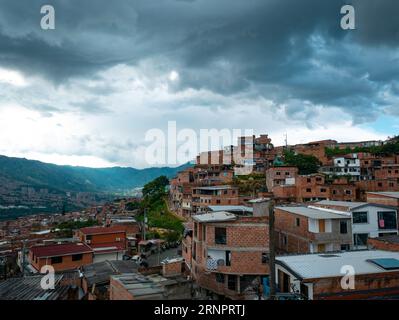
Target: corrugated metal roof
pixel 214 187
pixel 63 249
pixel 29 288
pixel 310 266
pixel 387 194
pixel 348 204
pixel 231 208
pixel 99 273
pixel 215 217
pixel 316 213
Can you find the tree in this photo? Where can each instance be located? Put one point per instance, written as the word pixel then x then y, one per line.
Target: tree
pixel 306 164
pixel 156 187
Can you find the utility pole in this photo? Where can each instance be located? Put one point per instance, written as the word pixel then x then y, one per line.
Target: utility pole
pixel 145 224
pixel 272 253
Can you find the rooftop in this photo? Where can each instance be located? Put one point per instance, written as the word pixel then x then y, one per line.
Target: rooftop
pixel 214 187
pixel 102 230
pixel 99 273
pixel 139 285
pixel 351 205
pixel 100 248
pixel 29 288
pixel 316 213
pixel 56 250
pixel 219 216
pixel 312 266
pixel 387 194
pixel 231 208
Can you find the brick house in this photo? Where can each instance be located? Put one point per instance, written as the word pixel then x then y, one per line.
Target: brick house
pixel 303 229
pixel 202 197
pixel 318 276
pixel 107 243
pixel 280 176
pixel 229 252
pixel 61 257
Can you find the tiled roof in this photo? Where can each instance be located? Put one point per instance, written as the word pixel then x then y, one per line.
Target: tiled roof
pixel 55 250
pixel 102 230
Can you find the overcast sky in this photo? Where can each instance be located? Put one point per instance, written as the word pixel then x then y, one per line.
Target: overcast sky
pixel 87 92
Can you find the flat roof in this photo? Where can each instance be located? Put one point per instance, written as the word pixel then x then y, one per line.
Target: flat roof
pixel 353 205
pixel 214 187
pixel 139 285
pixel 316 213
pixel 231 208
pixel 387 194
pixel 348 204
pixel 312 266
pixel 219 216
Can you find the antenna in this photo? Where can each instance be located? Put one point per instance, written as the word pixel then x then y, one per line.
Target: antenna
pixel 286 140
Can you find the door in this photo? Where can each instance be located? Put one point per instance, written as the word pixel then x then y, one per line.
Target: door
pixel 321 248
pixel 322 226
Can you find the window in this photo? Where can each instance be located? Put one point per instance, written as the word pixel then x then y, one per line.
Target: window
pixel 284 240
pixel 380 184
pixel 265 258
pixel 204 233
pixel 360 217
pixel 89 237
pixel 287 173
pixel 348 192
pixel 323 190
pixel 386 220
pixel 195 251
pixel 218 201
pixel 77 257
pixel 219 277
pixel 345 247
pixel 334 191
pixel 225 192
pixel 220 236
pixel 55 260
pixel 232 282
pixel 360 239
pixel 308 190
pixel 228 258
pixel 195 230
pixel 343 227
pixel 297 222
pixel 308 180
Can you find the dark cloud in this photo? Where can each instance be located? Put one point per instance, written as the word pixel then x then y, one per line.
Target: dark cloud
pixel 287 49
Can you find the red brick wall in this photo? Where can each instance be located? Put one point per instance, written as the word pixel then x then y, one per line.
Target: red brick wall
pixel 118 292
pixel 67 263
pixel 380 244
pixel 298 238
pixel 363 283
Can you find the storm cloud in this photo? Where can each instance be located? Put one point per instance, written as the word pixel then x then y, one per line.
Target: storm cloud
pixel 284 59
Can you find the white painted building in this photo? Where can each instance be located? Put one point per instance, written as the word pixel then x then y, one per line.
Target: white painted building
pixel 368 220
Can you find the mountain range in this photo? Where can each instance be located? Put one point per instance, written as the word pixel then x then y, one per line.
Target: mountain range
pixel 78 179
